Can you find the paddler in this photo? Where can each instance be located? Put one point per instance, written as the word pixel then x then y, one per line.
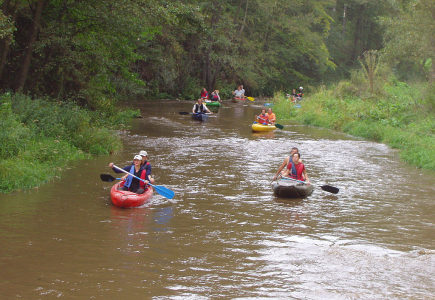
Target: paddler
pixel 296 169
pixel 133 184
pixel 286 162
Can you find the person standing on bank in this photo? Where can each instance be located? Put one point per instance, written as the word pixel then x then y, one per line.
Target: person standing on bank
pixel 133 184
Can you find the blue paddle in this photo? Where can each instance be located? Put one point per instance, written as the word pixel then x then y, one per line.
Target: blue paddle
pixel 165 192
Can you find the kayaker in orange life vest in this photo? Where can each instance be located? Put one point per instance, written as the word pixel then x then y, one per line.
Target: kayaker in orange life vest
pixel 296 169
pixel 271 116
pixel 262 118
pixel 133 184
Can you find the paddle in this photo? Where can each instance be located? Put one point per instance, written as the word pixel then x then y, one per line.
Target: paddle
pixel 108 177
pixel 249 98
pixel 279 126
pixel 165 192
pixel 326 188
pixel 189 113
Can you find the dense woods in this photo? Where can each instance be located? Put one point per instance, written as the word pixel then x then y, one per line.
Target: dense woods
pixel 92 52
pixel 66 64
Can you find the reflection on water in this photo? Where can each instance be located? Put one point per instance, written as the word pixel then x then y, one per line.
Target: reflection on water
pixel 225 235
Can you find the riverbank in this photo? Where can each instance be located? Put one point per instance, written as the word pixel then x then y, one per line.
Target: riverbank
pixel 39 137
pixel 400 116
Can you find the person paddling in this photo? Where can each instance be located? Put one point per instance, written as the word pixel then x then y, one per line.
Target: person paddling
pixel 262 118
pixel 296 170
pixel 145 164
pixel 133 184
pixel 286 162
pixel 271 116
pixel 200 108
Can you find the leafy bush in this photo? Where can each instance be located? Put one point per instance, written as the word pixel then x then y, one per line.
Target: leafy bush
pixel 38 137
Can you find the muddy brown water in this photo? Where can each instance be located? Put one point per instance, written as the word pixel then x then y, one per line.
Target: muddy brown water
pixel 225 235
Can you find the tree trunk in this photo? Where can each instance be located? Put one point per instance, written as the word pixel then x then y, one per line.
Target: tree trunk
pixel 344 22
pixel 24 71
pixel 5 44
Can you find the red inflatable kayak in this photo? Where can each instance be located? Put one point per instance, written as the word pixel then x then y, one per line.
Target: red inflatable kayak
pixel 127 199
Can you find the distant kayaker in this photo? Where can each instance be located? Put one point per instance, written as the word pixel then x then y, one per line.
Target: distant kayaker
pixel 200 108
pixel 296 169
pixel 262 118
pixel 133 184
pixel 215 96
pixel 204 94
pixel 239 92
pixel 286 162
pixel 271 116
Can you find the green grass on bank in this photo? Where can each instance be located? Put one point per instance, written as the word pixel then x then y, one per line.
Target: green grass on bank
pixel 38 137
pixel 397 115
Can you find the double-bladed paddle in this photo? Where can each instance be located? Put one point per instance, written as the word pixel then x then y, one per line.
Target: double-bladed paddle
pixel 165 192
pixel 249 98
pixel 189 113
pixel 279 126
pixel 326 188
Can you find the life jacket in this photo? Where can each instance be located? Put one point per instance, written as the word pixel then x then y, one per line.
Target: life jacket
pixel 215 97
pixel 204 95
pixel 263 119
pixel 199 108
pixel 130 178
pixel 296 173
pixel 143 176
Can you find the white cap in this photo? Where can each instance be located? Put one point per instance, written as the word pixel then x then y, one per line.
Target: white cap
pixel 143 153
pixel 301 88
pixel 138 157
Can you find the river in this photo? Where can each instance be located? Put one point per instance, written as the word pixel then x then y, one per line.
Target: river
pixel 225 235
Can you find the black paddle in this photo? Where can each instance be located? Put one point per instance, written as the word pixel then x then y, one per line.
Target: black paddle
pixel 189 113
pixel 279 126
pixel 326 188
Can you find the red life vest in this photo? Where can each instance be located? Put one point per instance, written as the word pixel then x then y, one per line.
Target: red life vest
pixel 299 170
pixel 263 119
pixel 143 176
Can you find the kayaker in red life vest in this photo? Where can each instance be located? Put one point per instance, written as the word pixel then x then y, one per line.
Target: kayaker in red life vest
pixel 296 170
pixel 145 164
pixel 204 94
pixel 286 162
pixel 262 118
pixel 133 184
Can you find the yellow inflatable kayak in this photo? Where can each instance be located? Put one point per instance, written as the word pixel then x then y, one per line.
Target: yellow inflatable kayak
pixel 257 127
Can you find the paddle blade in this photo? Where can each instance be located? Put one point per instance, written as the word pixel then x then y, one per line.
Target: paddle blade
pixel 250 98
pixel 107 177
pixel 165 192
pixel 330 189
pixel 184 113
pixel 279 126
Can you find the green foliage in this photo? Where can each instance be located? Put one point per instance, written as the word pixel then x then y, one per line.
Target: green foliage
pixel 38 137
pixel 399 118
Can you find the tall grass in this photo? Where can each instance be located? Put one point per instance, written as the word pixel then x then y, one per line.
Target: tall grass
pixel 399 116
pixel 38 137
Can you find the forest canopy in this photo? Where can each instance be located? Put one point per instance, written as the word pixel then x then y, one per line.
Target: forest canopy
pixel 95 52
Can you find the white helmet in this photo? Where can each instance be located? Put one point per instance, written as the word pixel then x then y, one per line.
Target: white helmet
pixel 301 88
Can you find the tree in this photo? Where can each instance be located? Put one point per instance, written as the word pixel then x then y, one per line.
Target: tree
pixel 410 35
